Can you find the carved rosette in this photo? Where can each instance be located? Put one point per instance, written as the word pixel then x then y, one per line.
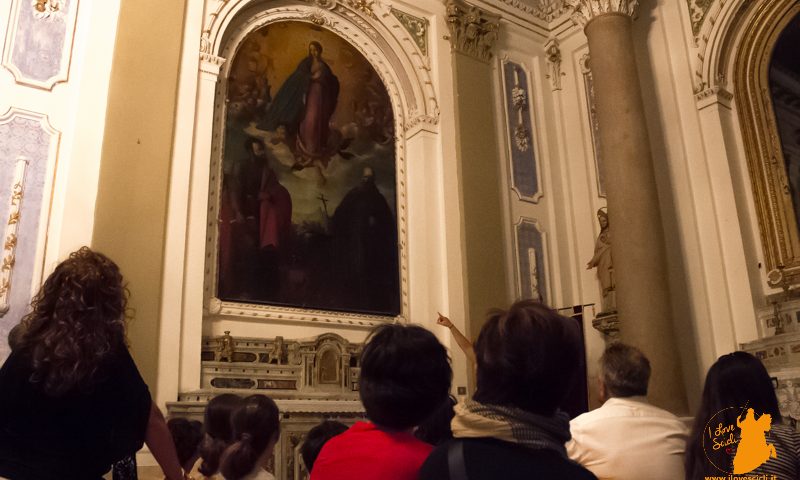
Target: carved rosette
pixel 587 10
pixel 472 31
pixel 10 237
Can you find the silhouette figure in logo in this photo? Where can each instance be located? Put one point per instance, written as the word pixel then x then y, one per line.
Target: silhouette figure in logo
pixel 753 449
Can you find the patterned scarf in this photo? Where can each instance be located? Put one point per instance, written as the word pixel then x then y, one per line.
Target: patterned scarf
pixel 476 420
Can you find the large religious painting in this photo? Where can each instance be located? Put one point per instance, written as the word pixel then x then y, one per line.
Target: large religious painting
pixel 307 204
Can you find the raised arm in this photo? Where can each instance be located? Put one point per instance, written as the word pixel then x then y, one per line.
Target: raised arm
pixel 159 441
pixel 462 341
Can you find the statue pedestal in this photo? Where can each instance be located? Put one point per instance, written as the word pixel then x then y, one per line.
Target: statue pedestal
pixel 607 323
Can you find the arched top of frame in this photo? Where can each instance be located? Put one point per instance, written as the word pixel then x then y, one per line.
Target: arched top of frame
pixel 373 31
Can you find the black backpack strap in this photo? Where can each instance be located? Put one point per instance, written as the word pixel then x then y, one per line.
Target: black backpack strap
pixel 455 460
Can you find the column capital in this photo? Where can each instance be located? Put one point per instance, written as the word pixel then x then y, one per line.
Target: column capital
pixel 472 31
pixel 587 10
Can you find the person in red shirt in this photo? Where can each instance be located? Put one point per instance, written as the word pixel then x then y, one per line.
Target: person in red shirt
pixel 405 377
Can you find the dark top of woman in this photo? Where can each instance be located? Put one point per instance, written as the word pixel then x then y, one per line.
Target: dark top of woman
pixel 75 436
pixel 490 459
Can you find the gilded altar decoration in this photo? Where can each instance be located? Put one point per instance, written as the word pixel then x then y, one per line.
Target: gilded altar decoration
pixel 416 27
pixel 472 31
pixel 12 225
pixel 225 348
pixel 766 100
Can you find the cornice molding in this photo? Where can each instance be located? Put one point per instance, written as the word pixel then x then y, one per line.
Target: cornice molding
pixel 587 10
pixel 473 31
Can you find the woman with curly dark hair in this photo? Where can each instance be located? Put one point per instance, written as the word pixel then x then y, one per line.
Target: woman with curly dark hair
pixel 72 400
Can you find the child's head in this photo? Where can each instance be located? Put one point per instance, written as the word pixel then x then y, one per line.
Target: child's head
pixel 256 428
pixel 317 437
pixel 219 433
pixel 186 435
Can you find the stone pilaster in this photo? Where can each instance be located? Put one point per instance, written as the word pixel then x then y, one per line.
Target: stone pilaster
pixel 472 31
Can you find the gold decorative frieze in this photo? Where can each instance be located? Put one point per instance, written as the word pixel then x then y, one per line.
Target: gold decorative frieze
pixel 472 31
pixel 777 219
pixel 10 237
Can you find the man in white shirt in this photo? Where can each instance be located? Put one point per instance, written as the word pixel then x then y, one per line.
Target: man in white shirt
pixel 627 438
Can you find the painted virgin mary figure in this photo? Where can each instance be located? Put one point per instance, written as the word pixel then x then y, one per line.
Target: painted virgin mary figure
pixel 304 105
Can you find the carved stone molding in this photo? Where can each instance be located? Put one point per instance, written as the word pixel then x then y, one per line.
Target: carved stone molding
pixel 587 10
pixel 416 27
pixel 546 10
pixel 713 95
pixel 608 325
pixel 697 13
pixel 714 38
pixel 210 63
pixel 553 55
pixel 472 31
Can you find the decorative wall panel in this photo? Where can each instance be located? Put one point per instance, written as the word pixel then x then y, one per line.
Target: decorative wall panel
pixel 594 127
pixel 531 260
pixel 524 170
pixel 27 143
pixel 39 41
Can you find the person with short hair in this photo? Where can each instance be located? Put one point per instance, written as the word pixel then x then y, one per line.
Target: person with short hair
pixel 527 357
pixel 256 429
pixel 316 438
pixel 627 438
pixel 405 376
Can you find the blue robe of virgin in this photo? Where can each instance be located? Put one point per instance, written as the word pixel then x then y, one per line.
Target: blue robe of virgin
pixel 288 107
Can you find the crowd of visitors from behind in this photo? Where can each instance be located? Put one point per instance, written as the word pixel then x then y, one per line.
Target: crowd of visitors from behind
pixel 73 405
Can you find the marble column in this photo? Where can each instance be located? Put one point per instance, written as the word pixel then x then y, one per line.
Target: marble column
pixel 637 235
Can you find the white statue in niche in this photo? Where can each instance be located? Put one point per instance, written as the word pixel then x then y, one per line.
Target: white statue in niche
pixel 602 261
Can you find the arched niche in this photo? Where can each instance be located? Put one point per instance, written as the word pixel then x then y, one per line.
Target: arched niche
pixel 766 162
pixel 405 76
